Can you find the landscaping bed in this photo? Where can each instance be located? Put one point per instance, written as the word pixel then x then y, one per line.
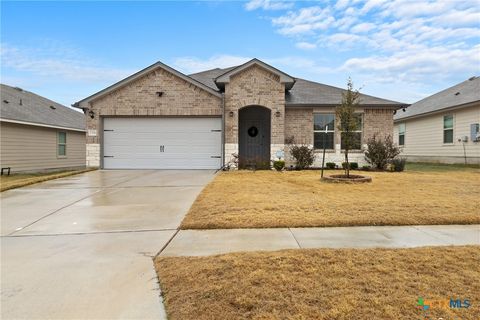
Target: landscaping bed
pixel 322 284
pixel 18 180
pixel 263 199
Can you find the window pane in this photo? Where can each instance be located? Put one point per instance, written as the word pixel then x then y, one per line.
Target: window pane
pixel 401 128
pixel 448 122
pixel 448 136
pixel 320 121
pixel 321 139
pixel 62 150
pixel 401 139
pixel 358 118
pixel 62 137
pixel 356 143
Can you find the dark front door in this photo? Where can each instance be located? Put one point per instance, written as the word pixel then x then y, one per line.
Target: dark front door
pixel 254 137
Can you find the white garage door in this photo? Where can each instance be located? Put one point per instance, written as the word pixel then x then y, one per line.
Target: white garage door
pixel 162 143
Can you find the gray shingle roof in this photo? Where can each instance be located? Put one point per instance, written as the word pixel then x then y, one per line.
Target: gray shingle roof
pixel 304 92
pixel 37 109
pixel 465 92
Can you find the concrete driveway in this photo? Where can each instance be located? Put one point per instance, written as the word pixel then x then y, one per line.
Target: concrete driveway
pixel 81 247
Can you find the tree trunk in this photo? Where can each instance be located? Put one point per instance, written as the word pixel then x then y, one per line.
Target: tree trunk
pixel 347 167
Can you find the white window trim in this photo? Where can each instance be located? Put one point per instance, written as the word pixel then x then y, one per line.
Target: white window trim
pixel 59 156
pixel 453 130
pixel 323 131
pixel 358 131
pixel 402 134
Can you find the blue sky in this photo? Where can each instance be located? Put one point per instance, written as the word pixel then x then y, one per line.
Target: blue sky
pixel 402 50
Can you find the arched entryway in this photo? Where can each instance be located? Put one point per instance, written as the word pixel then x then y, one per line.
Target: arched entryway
pixel 254 137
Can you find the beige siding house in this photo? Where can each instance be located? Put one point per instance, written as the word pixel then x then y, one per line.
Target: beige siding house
pixel 37 134
pixel 160 118
pixel 444 127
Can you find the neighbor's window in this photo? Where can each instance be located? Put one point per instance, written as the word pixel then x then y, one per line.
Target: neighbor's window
pixel 357 137
pixel 62 144
pixel 321 138
pixel 448 129
pixel 401 134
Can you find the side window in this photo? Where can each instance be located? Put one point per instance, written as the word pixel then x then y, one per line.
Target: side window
pixel 357 142
pixel 62 144
pixel 401 134
pixel 448 129
pixel 323 130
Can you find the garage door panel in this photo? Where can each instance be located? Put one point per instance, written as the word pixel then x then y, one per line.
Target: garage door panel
pixel 162 143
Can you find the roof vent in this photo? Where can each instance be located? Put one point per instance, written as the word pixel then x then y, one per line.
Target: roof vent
pixel 52 107
pixel 472 78
pixel 18 88
pixel 457 93
pixel 21 102
pixel 5 101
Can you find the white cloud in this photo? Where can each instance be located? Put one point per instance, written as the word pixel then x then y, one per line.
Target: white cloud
pixel 56 61
pixel 363 27
pixel 194 64
pixel 305 45
pixel 306 20
pixel 268 5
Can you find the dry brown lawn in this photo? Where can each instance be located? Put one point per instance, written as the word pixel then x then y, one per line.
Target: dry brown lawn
pixel 322 284
pixel 261 199
pixel 18 180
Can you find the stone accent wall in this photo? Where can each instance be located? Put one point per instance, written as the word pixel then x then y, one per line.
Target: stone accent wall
pixel 299 124
pixel 377 121
pixel 93 155
pixel 254 86
pixel 139 98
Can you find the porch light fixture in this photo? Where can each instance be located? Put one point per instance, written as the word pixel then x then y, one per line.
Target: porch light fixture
pixel 231 113
pixel 159 93
pixel 277 113
pixel 91 114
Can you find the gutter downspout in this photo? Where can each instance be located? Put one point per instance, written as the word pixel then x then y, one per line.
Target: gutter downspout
pixel 223 131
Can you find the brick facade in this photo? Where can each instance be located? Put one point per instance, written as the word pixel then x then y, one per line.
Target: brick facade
pixel 139 98
pixel 299 124
pixel 377 121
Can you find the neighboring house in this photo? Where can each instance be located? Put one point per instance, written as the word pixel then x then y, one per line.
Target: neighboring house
pixel 160 118
pixel 38 134
pixel 443 127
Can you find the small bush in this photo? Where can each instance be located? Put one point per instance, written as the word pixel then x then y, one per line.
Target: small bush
pixel 381 152
pixel 279 165
pixel 352 165
pixel 366 168
pixel 330 165
pixel 303 155
pixel 399 164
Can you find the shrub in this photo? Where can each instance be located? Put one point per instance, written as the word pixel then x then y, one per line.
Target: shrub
pixel 330 165
pixel 352 165
pixel 279 165
pixel 366 168
pixel 399 164
pixel 303 155
pixel 381 152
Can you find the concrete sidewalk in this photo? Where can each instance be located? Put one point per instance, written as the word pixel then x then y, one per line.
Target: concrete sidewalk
pixel 217 241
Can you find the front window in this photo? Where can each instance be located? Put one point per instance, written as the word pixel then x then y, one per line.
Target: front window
pixel 62 144
pixel 323 131
pixel 401 134
pixel 356 136
pixel 448 129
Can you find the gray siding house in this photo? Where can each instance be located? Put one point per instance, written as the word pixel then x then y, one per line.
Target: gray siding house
pixel 160 118
pixel 444 127
pixel 37 134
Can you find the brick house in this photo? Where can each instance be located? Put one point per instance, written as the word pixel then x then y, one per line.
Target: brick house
pixel 160 118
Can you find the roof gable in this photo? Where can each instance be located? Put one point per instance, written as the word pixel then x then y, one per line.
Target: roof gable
pixel 225 78
pixel 141 73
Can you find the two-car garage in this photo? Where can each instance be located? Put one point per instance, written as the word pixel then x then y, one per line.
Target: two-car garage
pixel 162 143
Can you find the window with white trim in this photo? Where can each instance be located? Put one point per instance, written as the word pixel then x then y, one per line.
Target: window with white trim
pixel 323 130
pixel 448 129
pixel 62 144
pixel 401 134
pixel 357 136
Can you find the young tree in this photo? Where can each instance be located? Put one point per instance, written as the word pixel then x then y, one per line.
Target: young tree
pixel 347 122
